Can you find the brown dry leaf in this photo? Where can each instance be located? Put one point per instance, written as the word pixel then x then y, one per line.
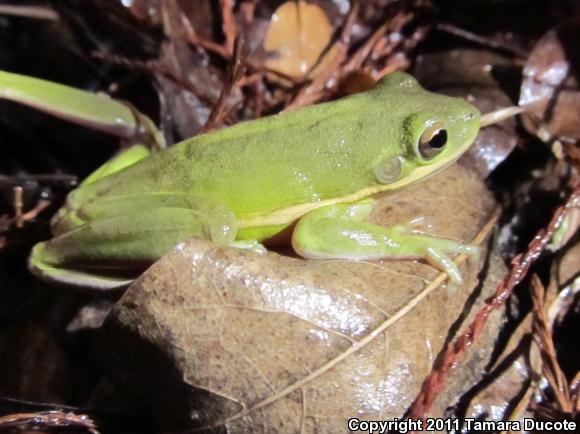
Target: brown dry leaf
pixel 551 80
pixel 276 344
pixel 298 34
pixel 183 113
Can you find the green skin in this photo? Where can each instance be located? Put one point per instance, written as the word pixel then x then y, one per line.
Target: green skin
pixel 312 172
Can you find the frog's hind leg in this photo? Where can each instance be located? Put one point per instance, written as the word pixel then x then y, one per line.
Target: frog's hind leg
pixel 339 232
pixel 111 252
pixel 92 110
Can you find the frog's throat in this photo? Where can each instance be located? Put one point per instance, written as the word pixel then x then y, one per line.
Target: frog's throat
pixel 293 213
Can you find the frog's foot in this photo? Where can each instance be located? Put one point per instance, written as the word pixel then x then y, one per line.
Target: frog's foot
pixel 109 253
pixel 253 245
pixel 92 278
pixel 434 250
pixel 338 232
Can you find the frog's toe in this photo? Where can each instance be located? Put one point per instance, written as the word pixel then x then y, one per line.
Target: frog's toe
pixel 440 260
pixel 254 245
pixel 455 247
pixel 437 253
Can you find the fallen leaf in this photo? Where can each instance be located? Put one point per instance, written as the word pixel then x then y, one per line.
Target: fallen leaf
pixel 271 343
pixel 298 34
pixel 183 113
pixel 550 81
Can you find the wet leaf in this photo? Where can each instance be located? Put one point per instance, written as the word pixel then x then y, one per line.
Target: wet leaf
pixel 277 343
pixel 298 34
pixel 550 80
pixel 183 113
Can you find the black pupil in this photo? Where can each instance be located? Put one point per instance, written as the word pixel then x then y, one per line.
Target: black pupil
pixel 439 139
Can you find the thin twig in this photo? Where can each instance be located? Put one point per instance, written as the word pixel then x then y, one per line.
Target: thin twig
pixel 228 24
pixel 399 60
pixel 395 23
pixel 153 66
pixel 41 178
pixel 38 208
pixel 248 10
pixel 17 204
pixel 258 106
pixel 37 12
pixel 20 218
pixel 453 353
pixel 234 75
pixel 543 337
pixel 481 40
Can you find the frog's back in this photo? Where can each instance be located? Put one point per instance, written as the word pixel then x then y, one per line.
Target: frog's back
pixel 326 151
pixel 268 164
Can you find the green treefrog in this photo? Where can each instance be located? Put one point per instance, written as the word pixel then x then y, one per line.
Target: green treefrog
pixel 308 176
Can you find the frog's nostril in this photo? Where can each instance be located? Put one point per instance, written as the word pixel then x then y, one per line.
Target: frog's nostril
pixel 469 116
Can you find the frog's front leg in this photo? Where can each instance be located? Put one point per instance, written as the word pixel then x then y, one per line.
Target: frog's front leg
pixel 340 232
pixel 110 252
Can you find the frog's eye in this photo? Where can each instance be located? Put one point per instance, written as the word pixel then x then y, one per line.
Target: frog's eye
pixel 432 141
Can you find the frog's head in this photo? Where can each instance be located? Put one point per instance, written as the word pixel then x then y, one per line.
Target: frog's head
pixel 434 130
